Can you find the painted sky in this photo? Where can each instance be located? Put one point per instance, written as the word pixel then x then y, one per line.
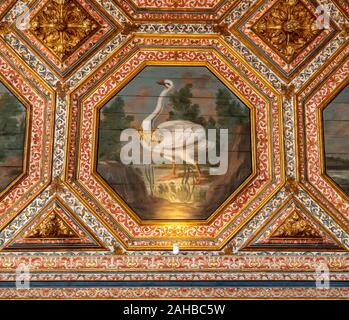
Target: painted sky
pixel 141 93
pixel 336 125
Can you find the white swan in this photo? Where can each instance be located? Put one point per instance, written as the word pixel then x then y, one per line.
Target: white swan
pixel 151 138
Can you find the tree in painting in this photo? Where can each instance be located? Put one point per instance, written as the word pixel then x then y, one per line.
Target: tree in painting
pixel 183 108
pixel 229 111
pixel 113 121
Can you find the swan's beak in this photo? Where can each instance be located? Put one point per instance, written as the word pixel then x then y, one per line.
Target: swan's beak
pixel 161 82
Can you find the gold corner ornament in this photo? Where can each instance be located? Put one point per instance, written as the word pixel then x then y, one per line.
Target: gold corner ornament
pixel 227 250
pixel 61 90
pixel 5 28
pixel 62 26
pixel 117 249
pixel 287 27
pixel 129 28
pixel 52 227
pixel 288 91
pixel 291 186
pixel 56 186
pixel 221 29
pixel 295 227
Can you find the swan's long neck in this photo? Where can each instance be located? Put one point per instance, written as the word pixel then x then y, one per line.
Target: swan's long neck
pixel 147 122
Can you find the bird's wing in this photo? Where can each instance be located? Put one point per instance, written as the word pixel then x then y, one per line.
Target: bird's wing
pixel 186 132
pixel 180 124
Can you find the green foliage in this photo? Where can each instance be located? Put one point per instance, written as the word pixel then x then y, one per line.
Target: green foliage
pixel 229 110
pixel 183 108
pixel 12 127
pixel 113 122
pixel 211 123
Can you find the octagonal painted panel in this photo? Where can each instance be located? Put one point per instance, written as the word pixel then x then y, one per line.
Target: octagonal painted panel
pixel 182 186
pixel 336 137
pixel 220 226
pixel 12 137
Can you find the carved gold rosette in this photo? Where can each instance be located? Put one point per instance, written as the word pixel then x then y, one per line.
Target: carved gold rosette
pixel 288 27
pixel 62 26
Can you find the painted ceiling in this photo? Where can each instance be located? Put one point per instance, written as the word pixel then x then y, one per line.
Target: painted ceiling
pixel 62 61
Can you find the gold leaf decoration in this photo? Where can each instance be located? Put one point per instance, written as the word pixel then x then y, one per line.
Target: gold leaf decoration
pixel 118 250
pixel 296 227
pixel 288 91
pixel 227 250
pixel 221 29
pixel 62 26
pixel 61 90
pixel 287 27
pixel 52 227
pixel 345 29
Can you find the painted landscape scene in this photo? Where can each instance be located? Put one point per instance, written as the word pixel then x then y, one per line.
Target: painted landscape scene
pixel 184 96
pixel 336 135
pixel 12 131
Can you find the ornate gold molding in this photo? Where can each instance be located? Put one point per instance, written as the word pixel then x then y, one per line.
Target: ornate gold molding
pixel 295 227
pixel 287 27
pixel 52 227
pixel 62 26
